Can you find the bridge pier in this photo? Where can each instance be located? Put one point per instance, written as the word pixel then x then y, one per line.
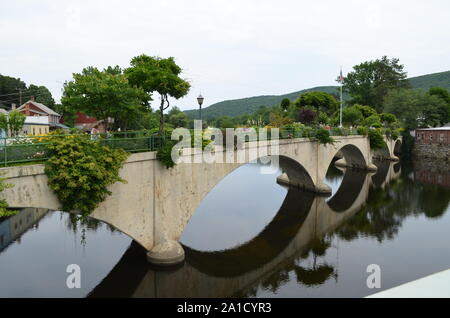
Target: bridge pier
pixel 343 164
pixel 167 253
pixel 320 188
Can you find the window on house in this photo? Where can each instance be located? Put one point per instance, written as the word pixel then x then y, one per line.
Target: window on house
pixel 431 137
pixel 441 138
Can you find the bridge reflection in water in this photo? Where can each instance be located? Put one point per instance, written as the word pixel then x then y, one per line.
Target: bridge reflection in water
pixel 300 229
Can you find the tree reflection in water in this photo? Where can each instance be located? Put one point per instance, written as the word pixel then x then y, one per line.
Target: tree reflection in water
pixel 77 223
pixel 381 218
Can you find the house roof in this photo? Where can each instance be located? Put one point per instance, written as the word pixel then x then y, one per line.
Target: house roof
pixel 437 128
pixel 41 106
pixel 59 125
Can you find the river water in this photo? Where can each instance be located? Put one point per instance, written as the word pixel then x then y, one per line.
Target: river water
pixel 250 237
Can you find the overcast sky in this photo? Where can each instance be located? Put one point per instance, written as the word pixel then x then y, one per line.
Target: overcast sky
pixel 228 49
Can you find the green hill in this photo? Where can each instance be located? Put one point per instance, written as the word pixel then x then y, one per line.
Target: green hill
pixel 431 80
pixel 249 105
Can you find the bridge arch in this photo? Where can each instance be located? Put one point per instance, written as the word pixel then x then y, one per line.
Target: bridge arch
pixel 397 147
pixel 353 157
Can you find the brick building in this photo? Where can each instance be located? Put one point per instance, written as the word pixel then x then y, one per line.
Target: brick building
pixel 440 135
pixel 432 143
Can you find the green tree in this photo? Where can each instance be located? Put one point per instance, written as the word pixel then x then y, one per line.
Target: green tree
pixel 68 113
pixel 404 104
pixel 372 121
pixel 433 109
pixel 279 119
pixel 9 90
pixel 12 89
pixel 352 116
pixel 155 74
pixel 285 103
pixel 370 82
pixel 323 118
pixel 388 118
pixel 4 122
pixel 225 122
pixel 177 118
pixel 42 95
pixel 443 94
pixel 415 108
pixel 103 95
pixel 366 111
pixel 319 101
pixel 16 120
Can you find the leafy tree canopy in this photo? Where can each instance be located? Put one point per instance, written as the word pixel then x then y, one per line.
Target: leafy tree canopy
pixel 416 108
pixel 370 81
pixel 319 101
pixel 103 94
pixel 177 118
pixel 42 95
pixel 352 116
pixel 155 74
pixel 285 103
pixel 443 94
pixel 11 87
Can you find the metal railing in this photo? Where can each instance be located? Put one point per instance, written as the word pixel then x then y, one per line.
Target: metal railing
pixel 19 150
pixel 28 149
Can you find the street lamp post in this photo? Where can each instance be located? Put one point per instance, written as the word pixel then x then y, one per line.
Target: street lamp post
pixel 200 100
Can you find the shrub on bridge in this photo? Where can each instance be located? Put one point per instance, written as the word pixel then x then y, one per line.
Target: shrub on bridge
pixel 80 170
pixel 323 136
pixel 362 130
pixel 376 139
pixel 164 154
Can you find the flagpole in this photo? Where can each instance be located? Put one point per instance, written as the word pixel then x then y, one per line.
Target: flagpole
pixel 340 112
pixel 340 117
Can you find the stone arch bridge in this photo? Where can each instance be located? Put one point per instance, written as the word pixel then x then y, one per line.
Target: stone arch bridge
pixel 156 204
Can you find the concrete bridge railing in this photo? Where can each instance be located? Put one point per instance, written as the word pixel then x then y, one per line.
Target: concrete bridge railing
pixel 156 204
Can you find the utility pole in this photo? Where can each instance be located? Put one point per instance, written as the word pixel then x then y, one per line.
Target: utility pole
pixel 20 96
pixel 341 81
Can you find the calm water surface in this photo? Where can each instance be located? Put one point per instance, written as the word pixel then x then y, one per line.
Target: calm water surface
pixel 250 237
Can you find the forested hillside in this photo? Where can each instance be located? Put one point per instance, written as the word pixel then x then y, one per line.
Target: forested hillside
pixel 248 105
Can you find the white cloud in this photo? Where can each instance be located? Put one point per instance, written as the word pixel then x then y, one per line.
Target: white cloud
pixel 228 49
